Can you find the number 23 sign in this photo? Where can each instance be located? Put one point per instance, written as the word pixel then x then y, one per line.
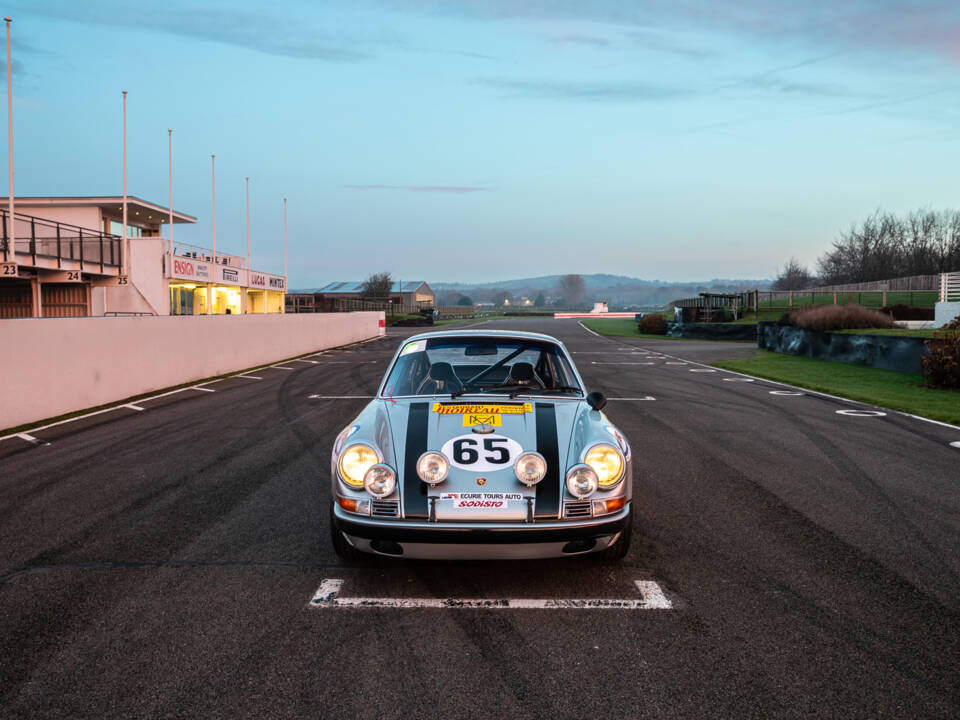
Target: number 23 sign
pixel 481 454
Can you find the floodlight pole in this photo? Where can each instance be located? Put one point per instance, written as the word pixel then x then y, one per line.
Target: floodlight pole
pixel 125 265
pixel 170 175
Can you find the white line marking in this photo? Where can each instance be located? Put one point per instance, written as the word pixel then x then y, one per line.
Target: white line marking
pixel 339 397
pixel 652 598
pixel 675 363
pixel 785 392
pixel 861 413
pixel 279 367
pixel 202 389
pixel 918 417
pixel 648 397
pixel 707 370
pixel 312 362
pixel 594 362
pixel 955 444
pixel 249 377
pixel 589 330
pixel 738 379
pixel 134 407
pixel 31 439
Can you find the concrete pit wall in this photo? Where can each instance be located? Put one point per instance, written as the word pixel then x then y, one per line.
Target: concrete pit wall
pixel 54 366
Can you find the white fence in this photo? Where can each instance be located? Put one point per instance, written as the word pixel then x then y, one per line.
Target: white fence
pixel 54 366
pixel 950 287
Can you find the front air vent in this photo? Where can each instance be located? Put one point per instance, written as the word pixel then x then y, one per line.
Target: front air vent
pixel 385 508
pixel 577 509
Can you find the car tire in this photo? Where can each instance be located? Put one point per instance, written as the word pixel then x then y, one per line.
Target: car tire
pixel 344 550
pixel 618 551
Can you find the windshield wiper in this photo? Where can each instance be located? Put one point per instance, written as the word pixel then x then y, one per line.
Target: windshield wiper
pixel 559 388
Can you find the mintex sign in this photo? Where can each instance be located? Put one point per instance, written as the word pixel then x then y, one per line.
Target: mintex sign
pixel 266 281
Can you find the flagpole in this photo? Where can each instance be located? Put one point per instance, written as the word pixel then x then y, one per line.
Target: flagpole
pixel 11 251
pixel 125 269
pixel 170 174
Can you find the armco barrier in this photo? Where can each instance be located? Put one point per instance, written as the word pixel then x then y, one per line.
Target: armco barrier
pixel 54 366
pixel 888 352
pixel 713 331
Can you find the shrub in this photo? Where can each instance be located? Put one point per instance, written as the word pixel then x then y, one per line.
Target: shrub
pixel 941 362
pixel 653 324
pixel 905 312
pixel 840 317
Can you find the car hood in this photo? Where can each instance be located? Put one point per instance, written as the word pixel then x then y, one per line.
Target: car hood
pixel 482 462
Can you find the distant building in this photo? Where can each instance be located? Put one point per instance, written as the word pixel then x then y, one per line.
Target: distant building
pixel 342 295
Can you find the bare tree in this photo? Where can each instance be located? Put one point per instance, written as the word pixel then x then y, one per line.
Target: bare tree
pixel 378 285
pixel 572 288
pixel 793 276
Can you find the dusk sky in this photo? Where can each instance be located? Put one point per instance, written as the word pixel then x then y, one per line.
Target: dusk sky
pixel 489 140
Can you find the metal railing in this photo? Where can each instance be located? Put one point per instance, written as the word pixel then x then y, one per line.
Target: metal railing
pixel 196 252
pixel 38 237
pixel 950 287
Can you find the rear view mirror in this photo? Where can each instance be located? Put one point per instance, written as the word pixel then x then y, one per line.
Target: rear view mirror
pixel 480 350
pixel 597 401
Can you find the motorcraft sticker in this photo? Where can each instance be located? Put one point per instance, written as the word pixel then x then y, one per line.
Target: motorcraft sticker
pixel 481 409
pixel 481 419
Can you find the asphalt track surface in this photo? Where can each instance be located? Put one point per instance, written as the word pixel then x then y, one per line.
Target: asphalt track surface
pixel 160 563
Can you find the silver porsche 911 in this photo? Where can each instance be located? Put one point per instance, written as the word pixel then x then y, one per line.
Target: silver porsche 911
pixel 481 444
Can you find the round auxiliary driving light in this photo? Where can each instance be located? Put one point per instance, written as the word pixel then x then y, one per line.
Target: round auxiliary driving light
pixel 607 462
pixel 354 463
pixel 380 480
pixel 432 467
pixel 530 468
pixel 582 481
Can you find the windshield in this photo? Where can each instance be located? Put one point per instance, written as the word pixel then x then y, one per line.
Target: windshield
pixel 461 366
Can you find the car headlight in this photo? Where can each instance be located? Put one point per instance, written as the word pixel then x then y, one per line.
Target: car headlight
pixel 380 480
pixel 530 468
pixel 433 467
pixel 607 462
pixel 354 463
pixel 582 481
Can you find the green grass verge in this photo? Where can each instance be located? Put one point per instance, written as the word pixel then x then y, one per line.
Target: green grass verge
pixel 901 332
pixel 886 388
pixel 622 327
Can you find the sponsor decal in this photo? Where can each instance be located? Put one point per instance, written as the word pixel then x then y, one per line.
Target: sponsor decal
pixel 410 348
pixel 230 275
pixel 258 280
pixel 277 283
pixel 479 409
pixel 203 271
pixel 490 501
pixel 476 419
pixel 481 481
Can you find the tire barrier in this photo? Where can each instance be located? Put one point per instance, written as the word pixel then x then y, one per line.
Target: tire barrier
pixel 887 352
pixel 712 331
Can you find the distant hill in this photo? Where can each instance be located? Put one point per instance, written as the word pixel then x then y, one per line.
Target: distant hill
pixel 617 290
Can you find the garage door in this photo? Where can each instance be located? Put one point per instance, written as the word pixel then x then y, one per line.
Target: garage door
pixel 64 300
pixel 15 299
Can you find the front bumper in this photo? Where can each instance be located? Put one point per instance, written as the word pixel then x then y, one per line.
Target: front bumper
pixel 417 539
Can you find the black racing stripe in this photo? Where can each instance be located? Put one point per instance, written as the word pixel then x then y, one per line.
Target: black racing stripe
pixel 548 489
pixel 414 498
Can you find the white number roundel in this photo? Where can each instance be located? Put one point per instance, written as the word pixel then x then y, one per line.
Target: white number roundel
pixel 481 453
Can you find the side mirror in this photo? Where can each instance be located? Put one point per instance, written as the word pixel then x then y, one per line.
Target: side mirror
pixel 597 401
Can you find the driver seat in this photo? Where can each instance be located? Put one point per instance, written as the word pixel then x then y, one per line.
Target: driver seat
pixel 522 373
pixel 444 380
